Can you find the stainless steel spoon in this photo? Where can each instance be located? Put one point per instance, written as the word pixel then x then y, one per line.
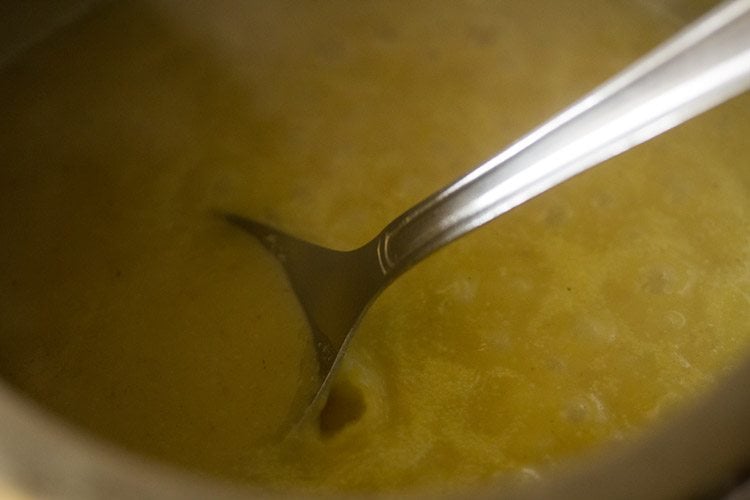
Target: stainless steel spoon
pixel 704 65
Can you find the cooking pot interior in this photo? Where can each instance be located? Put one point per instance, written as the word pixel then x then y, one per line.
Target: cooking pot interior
pixel 124 337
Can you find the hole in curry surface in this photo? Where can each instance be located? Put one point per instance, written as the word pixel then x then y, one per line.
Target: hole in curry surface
pixel 344 406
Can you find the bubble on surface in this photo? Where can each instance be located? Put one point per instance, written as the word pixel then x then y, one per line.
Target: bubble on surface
pixel 344 407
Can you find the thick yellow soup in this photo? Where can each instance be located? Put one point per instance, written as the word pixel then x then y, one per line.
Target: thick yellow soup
pixel 131 310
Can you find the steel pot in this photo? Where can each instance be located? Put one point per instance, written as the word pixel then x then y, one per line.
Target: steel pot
pixel 702 451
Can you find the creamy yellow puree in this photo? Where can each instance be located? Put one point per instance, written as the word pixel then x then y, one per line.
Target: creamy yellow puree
pixel 130 309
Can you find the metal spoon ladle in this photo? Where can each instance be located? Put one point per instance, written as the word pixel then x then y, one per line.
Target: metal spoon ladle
pixel 702 66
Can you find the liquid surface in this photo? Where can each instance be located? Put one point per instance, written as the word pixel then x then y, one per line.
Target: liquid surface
pixel 129 308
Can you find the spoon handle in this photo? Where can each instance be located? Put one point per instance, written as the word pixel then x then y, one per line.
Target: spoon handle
pixel 702 66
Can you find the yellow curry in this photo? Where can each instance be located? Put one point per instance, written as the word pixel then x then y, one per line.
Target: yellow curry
pixel 128 308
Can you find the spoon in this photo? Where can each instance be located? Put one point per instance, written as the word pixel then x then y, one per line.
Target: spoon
pixel 702 66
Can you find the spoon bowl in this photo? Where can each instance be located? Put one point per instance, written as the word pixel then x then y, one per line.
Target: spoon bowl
pixel 333 287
